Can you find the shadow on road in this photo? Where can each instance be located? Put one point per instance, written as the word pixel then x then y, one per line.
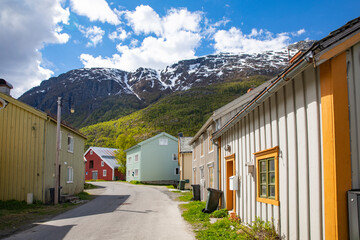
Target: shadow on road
pixel 44 232
pixel 100 205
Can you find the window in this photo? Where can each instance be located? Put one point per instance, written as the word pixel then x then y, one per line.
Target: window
pixel 91 164
pixel 136 157
pixel 129 160
pixel 163 141
pixel 211 177
pixel 91 152
pixel 177 171
pixel 211 145
pixel 201 146
pixel 201 172
pixel 267 164
pixel 86 173
pixel 136 173
pixel 104 173
pixel 70 175
pixel 70 144
pixel 129 173
pixel 102 163
pixel 194 176
pixel 194 153
pixel 174 157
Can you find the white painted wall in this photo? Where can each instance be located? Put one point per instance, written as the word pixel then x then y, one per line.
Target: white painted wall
pixel 290 119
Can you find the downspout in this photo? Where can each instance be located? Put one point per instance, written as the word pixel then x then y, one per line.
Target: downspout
pixel 218 166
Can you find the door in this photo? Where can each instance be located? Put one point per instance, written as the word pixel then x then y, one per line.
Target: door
pixel 230 171
pixel 95 175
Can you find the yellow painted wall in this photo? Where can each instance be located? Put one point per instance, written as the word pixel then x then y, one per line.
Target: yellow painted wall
pixel 27 154
pixel 21 151
pixel 185 160
pixel 336 145
pixel 67 159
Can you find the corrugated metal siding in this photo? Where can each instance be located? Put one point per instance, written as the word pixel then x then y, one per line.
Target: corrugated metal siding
pixel 353 71
pixel 289 119
pixel 21 153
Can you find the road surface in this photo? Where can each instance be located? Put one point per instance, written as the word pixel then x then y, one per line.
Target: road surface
pixel 121 211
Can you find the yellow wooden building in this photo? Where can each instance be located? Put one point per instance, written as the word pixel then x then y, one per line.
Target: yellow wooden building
pixel 28 149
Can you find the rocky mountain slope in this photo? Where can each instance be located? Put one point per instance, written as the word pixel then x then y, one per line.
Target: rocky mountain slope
pixel 101 94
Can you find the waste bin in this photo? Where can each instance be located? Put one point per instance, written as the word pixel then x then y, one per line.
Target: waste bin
pixel 196 192
pixel 182 185
pixel 212 201
pixel 52 194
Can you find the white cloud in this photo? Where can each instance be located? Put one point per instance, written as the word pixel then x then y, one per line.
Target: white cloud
pixel 95 10
pixel 298 33
pixel 144 20
pixel 94 34
pixel 234 41
pixel 119 34
pixel 176 37
pixel 25 29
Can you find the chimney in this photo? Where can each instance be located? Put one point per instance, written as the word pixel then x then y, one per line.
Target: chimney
pixel 5 87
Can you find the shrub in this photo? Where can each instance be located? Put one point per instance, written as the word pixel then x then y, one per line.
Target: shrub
pixel 219 213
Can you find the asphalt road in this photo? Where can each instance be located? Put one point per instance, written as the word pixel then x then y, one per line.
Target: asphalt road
pixel 121 211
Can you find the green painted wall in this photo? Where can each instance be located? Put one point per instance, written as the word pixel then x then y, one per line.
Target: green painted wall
pixel 155 161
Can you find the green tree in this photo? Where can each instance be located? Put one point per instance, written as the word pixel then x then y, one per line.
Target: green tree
pixel 123 142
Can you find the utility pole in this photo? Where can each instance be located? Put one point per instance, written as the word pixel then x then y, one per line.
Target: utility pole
pixel 57 160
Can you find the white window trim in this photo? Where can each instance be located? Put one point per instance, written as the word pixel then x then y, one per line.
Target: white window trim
pixel 178 171
pixel 70 175
pixel 104 171
pixel 163 141
pixel 71 145
pixel 136 175
pixel 175 157
pixel 102 163
pixel 136 158
pixel 210 142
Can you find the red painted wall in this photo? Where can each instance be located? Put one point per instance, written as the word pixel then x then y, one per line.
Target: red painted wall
pixel 97 166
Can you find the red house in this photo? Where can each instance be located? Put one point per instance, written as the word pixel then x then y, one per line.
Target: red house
pixel 100 163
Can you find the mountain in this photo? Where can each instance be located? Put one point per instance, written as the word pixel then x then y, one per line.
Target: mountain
pixel 182 111
pixel 102 94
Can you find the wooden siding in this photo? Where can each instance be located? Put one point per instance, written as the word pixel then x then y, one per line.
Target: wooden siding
pixel 353 63
pixel 290 119
pixel 21 152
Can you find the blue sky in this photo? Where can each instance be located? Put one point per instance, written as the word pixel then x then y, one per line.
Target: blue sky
pixel 44 38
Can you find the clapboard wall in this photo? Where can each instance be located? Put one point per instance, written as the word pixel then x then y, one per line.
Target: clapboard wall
pixel 289 119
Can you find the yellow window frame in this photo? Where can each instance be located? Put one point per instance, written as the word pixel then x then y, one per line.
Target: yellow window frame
pixel 261 156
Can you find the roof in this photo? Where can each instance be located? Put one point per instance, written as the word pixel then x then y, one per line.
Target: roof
pixel 38 112
pixel 106 154
pixel 5 83
pixel 237 103
pixel 202 129
pixel 184 145
pixel 319 52
pixel 151 139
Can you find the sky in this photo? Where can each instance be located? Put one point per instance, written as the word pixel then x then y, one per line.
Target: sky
pixel 40 39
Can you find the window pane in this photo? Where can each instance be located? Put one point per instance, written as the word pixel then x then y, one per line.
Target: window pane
pixel 263 178
pixel 263 166
pixel 271 191
pixel 263 190
pixel 272 178
pixel 271 165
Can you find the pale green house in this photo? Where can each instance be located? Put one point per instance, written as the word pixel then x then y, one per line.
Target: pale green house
pixel 153 160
